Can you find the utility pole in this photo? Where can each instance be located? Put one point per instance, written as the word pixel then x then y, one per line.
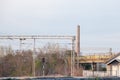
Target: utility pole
pixel 71 62
pixel 33 68
pixel 73 55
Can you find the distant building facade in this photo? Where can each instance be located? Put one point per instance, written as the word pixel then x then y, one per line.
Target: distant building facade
pixel 113 66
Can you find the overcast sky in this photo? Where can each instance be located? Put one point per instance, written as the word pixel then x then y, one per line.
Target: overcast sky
pixel 99 19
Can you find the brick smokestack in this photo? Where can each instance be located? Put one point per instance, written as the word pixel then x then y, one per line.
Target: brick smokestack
pixel 78 41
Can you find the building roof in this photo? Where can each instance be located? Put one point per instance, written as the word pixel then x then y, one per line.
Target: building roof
pixel 118 60
pixel 113 59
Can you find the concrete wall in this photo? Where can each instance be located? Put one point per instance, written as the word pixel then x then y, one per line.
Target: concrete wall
pixel 113 70
pixel 87 73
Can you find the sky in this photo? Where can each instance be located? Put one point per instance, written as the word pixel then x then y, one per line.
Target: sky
pixel 99 20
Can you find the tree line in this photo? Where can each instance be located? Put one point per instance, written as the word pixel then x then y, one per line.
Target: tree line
pixel 20 63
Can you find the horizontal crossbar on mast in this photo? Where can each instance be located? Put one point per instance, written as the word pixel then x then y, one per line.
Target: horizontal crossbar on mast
pixel 36 37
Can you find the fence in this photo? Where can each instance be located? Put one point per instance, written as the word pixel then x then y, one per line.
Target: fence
pixel 88 73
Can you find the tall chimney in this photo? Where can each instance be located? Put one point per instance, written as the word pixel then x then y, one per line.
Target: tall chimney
pixel 78 41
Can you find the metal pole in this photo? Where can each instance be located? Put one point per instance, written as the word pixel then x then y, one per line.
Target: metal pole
pixel 20 45
pixel 34 58
pixel 73 55
pixel 71 62
pixel 43 70
pixel 65 67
